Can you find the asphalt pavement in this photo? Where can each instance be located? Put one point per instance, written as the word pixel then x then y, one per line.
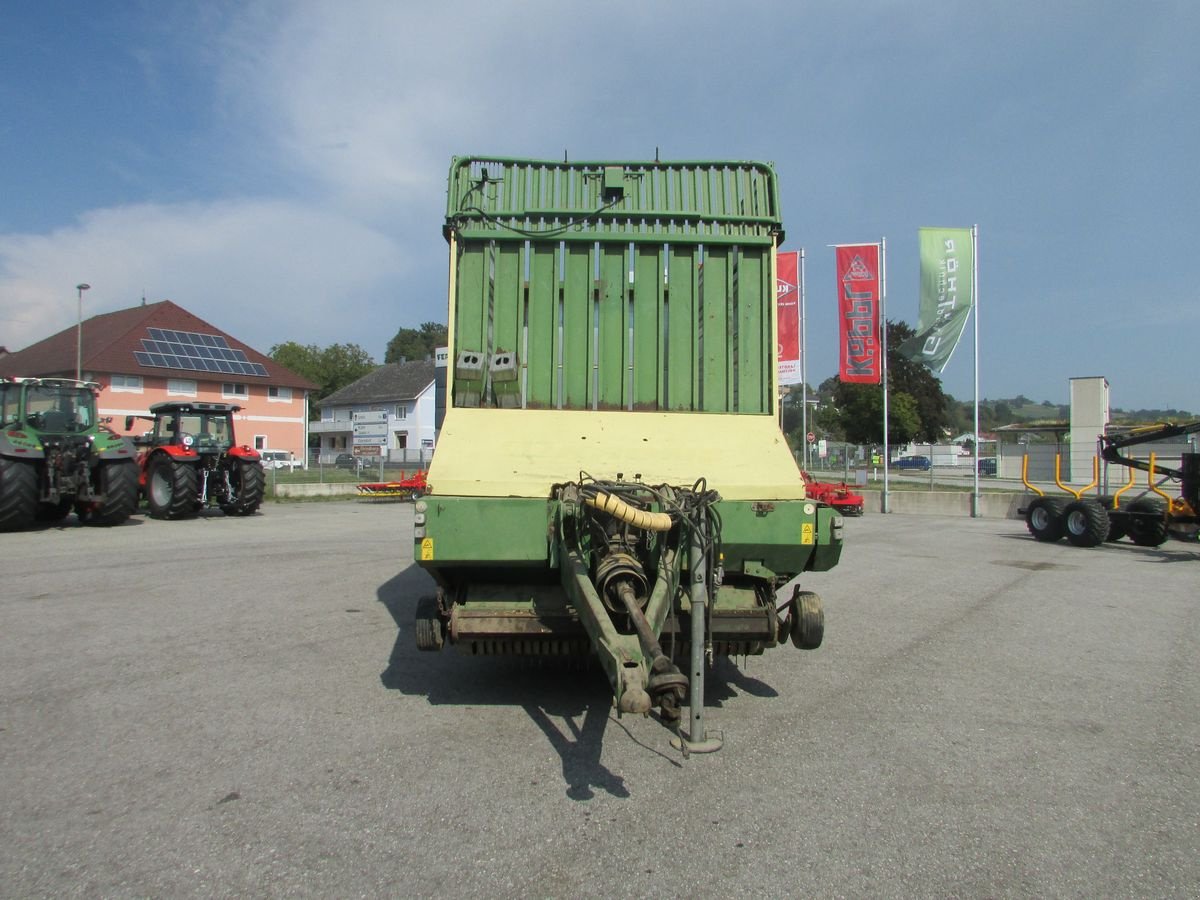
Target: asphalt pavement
pixel 235 707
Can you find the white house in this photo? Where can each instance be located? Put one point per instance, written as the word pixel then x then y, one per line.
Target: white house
pixel 404 392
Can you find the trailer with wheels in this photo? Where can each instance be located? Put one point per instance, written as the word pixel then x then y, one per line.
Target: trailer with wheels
pixel 1147 520
pixel 610 478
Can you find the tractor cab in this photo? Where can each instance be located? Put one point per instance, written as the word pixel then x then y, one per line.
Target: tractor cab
pixel 203 428
pixel 52 406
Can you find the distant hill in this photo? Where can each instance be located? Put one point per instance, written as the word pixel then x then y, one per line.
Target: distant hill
pixel 1014 410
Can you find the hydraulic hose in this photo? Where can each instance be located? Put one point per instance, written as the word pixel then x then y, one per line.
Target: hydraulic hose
pixel 630 515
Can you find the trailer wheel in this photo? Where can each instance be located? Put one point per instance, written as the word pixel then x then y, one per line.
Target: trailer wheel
pixel 428 626
pixel 1044 519
pixel 1150 528
pixel 1086 523
pixel 171 488
pixel 18 494
pixel 808 620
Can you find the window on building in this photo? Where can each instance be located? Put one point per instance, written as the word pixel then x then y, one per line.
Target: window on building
pixel 126 383
pixel 401 440
pixel 234 389
pixel 279 394
pixel 401 410
pixel 260 442
pixel 183 387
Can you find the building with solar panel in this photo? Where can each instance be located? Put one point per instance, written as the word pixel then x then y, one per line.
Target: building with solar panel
pixel 160 351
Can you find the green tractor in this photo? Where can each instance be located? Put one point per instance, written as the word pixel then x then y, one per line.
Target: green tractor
pixel 55 456
pixel 191 460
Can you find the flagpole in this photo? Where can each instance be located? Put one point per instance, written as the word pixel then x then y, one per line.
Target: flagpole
pixel 975 496
pixel 886 502
pixel 803 368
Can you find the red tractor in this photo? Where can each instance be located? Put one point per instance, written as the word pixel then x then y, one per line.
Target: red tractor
pixel 190 460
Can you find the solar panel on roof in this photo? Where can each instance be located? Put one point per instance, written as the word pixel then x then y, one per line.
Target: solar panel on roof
pixel 193 351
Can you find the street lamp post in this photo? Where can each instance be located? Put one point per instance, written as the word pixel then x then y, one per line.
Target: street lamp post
pixel 79 334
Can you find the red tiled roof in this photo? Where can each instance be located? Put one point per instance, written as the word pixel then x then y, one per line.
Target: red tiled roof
pixel 109 341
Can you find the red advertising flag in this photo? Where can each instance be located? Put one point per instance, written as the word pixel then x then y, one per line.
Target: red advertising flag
pixel 858 319
pixel 787 312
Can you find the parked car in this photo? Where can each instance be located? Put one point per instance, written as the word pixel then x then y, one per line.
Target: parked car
pixel 987 466
pixel 922 463
pixel 346 461
pixel 280 459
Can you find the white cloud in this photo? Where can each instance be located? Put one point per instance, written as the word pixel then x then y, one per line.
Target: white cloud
pixel 265 271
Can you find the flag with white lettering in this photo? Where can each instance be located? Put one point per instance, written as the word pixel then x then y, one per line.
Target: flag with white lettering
pixel 947 274
pixel 860 354
pixel 787 312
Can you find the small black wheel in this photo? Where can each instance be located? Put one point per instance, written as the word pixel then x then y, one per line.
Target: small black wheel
pixel 428 627
pixel 808 620
pixel 1086 523
pixel 1149 527
pixel 1044 518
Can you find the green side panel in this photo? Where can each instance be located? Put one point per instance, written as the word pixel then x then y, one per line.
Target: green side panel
pixel 483 530
pixel 773 535
pixel 591 273
pixel 577 327
pixel 611 338
pixel 647 326
pixel 540 357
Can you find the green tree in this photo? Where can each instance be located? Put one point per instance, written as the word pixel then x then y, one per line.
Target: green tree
pixel 330 368
pixel 918 410
pixel 416 343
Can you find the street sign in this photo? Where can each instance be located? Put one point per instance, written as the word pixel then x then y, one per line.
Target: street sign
pixel 367 450
pixel 811 437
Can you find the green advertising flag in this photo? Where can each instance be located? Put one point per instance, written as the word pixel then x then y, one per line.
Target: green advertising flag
pixel 947 272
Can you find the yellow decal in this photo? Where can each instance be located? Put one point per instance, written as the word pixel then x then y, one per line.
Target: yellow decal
pixel 427 548
pixel 806 534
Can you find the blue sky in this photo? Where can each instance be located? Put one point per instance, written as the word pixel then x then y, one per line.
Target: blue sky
pixel 279 168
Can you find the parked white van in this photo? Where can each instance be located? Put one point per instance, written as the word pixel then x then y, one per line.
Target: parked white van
pixel 279 459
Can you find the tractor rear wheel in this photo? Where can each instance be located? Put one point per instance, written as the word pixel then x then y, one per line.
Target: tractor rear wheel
pixel 171 488
pixel 1150 528
pixel 1086 523
pixel 18 494
pixel 246 482
pixel 118 482
pixel 1044 518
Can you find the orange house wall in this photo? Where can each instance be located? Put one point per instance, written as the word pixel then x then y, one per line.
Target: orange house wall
pixel 280 422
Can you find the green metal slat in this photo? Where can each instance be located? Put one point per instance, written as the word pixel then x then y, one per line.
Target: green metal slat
pixel 681 329
pixel 542 327
pixel 509 296
pixel 750 308
pixel 647 325
pixel 715 357
pixel 577 327
pixel 472 289
pixel 611 321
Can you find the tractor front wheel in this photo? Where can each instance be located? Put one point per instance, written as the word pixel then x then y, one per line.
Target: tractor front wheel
pixel 171 488
pixel 118 482
pixel 18 494
pixel 246 483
